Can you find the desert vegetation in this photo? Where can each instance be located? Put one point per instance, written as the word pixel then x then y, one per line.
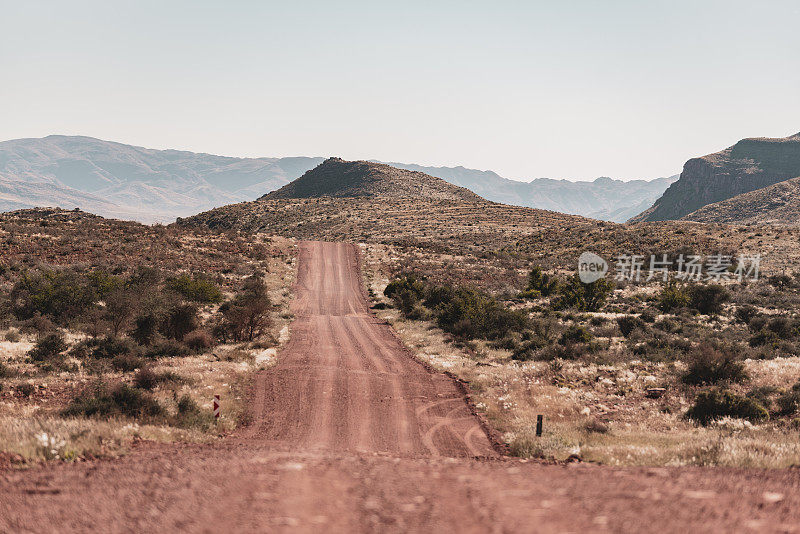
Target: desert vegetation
pixel 114 331
pixel 657 373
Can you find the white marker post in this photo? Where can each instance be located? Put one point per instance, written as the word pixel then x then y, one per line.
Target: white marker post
pixel 216 408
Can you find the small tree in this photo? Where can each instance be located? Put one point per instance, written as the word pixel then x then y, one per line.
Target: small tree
pixel 121 305
pixel 584 297
pixel 179 321
pixel 246 316
pixel 541 282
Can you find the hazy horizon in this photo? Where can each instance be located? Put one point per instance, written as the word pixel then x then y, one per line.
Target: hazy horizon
pixel 624 90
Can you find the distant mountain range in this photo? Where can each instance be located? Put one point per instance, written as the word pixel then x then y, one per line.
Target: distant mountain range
pixel 749 165
pixel 129 182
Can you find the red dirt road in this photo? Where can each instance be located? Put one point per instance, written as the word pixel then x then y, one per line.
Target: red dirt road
pixel 350 434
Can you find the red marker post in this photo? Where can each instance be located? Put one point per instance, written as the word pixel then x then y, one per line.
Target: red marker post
pixel 216 408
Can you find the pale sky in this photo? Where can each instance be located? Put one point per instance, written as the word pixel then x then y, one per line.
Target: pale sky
pixel 560 89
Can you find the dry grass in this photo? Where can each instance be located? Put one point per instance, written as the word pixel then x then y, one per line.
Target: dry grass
pixel 32 397
pixel 598 410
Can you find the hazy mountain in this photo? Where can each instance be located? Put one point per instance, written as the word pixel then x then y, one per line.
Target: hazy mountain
pixel 134 182
pixel 124 181
pixel 336 177
pixel 748 165
pixel 603 198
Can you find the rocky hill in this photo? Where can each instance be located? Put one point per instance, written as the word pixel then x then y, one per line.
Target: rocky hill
pixel 748 165
pixel 336 177
pixel 775 204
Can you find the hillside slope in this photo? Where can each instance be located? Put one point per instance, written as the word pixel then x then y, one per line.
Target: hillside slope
pixel 747 166
pixel 775 204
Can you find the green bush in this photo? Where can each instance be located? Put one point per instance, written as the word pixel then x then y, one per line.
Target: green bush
pixel 121 400
pixel 746 313
pixel 584 297
pixel 179 321
pixel 789 402
pixel 708 299
pixel 61 295
pixel 709 365
pixel 247 316
pixel 145 329
pixel 190 415
pixel 47 348
pixel 575 334
pixel 106 348
pixel 197 289
pixel 405 283
pixel 471 314
pixel 628 323
pixel 712 405
pixel 541 283
pixel 672 297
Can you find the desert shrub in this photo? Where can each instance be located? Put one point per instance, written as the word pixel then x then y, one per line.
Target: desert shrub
pixel 710 365
pixel 103 283
pixel 628 323
pixel 61 295
pixel 658 346
pixel 121 400
pixel 672 297
pixel 197 289
pixel 715 404
pixel 12 336
pixel 647 316
pixel 246 316
pixel 25 389
pixel 540 283
pixel 145 329
pixel 47 348
pixel 746 313
pixel 708 299
pixel 789 401
pixel 148 379
pixel 179 321
pixel 168 348
pixel 6 371
pixel 127 362
pixel 190 415
pixel 472 314
pixel 780 281
pixel 757 323
pixel 407 302
pixel 583 297
pixel 108 348
pixel 408 283
pixel 783 327
pixel 575 334
pixel 199 340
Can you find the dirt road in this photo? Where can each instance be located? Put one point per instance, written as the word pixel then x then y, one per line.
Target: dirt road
pixel 351 434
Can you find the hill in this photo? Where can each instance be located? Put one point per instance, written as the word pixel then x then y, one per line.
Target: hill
pixel 336 177
pixel 776 204
pixel 148 185
pixel 747 166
